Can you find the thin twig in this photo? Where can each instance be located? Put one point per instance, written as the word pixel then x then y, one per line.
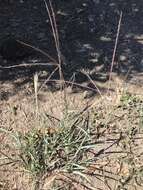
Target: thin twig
pixel 73 83
pixel 53 25
pixel 47 79
pixel 36 92
pixel 29 65
pixel 38 50
pixel 115 49
pixel 98 90
pixel 52 19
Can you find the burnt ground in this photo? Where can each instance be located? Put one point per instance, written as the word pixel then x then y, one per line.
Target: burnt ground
pixel 87 31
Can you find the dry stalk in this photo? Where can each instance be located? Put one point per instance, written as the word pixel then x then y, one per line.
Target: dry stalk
pixel 29 65
pixel 115 49
pixel 38 50
pixel 53 23
pixel 36 92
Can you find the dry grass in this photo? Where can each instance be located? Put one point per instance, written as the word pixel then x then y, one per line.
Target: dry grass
pixel 75 149
pixel 71 142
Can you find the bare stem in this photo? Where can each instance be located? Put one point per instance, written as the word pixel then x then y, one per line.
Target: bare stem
pixel 115 49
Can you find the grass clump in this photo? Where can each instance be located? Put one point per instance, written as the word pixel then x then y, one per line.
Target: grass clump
pixel 97 144
pixel 65 150
pixel 46 151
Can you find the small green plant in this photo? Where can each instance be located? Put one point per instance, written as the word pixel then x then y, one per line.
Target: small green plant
pixel 128 99
pixel 46 151
pixel 64 150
